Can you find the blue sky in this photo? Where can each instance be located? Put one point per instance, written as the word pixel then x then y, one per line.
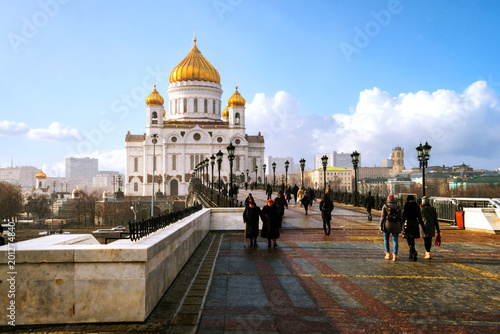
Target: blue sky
pixel 317 76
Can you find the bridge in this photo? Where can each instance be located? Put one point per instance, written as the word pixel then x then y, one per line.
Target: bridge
pixel 309 283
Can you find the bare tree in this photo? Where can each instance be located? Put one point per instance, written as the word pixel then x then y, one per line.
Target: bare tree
pixel 37 205
pixel 11 201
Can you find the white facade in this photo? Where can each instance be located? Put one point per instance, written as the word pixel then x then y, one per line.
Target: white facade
pixel 195 129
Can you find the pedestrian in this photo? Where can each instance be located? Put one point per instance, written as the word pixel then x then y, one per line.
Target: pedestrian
pixel 251 219
pixel 281 203
pixel 412 218
pixel 305 202
pixel 430 220
pixel 224 191
pixel 248 199
pixel 295 190
pixel 269 191
pixel 300 195
pixel 271 223
pixel 288 193
pixel 369 204
pixel 236 191
pixel 231 191
pixel 312 196
pixel 246 186
pixel 390 223
pixel 326 207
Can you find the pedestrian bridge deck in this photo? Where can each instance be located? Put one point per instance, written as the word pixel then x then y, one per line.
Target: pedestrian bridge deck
pixel 313 283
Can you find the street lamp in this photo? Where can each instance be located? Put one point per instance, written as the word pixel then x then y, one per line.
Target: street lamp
pixel 324 162
pixel 286 172
pixel 274 174
pixel 230 155
pixel 154 141
pixel 302 166
pixel 212 163
pixel 208 176
pixel 424 152
pixel 135 214
pixel 219 161
pixel 265 179
pixel 355 161
pixel 256 169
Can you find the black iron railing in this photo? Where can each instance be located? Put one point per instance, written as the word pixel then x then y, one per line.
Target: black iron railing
pixel 145 227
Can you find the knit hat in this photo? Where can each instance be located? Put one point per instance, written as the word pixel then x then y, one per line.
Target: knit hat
pixel 390 198
pixel 251 202
pixel 270 201
pixel 410 198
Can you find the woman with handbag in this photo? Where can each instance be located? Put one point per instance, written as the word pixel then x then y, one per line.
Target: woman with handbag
pixel 429 218
pixel 412 218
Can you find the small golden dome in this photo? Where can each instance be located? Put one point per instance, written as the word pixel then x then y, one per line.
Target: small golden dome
pixel 164 112
pixel 41 175
pixel 154 99
pixel 236 100
pixel 225 112
pixel 194 68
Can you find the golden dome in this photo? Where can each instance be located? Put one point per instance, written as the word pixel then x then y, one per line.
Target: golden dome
pixel 41 175
pixel 154 99
pixel 164 112
pixel 236 100
pixel 194 68
pixel 225 112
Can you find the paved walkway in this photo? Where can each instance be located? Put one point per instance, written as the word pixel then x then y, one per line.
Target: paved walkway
pixel 313 283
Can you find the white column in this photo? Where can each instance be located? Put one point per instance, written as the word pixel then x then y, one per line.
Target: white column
pixel 144 169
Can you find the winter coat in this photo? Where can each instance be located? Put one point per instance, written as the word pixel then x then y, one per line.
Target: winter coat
pixel 430 220
pixel 269 190
pixel 326 208
pixel 411 219
pixel 288 192
pixel 281 203
pixel 271 222
pixel 311 194
pixel 390 226
pixel 295 189
pixel 305 201
pixel 369 202
pixel 251 218
pixel 300 194
pixel 247 200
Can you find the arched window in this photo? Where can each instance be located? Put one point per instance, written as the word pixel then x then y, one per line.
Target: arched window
pixel 197 159
pixel 185 106
pixel 213 106
pixel 191 162
pixel 136 164
pixel 136 186
pixel 238 163
pixel 154 118
pixel 154 163
pixel 219 109
pixel 206 105
pixel 254 163
pixel 174 162
pixel 237 118
pixel 195 105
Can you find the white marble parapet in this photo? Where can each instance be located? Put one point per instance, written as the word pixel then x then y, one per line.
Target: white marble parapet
pixel 74 279
pixel 482 220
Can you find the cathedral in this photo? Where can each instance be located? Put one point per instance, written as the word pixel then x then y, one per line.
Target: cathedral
pixel 195 129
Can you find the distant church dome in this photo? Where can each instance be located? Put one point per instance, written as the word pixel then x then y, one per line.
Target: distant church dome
pixel 154 99
pixel 236 100
pixel 225 112
pixel 194 68
pixel 40 175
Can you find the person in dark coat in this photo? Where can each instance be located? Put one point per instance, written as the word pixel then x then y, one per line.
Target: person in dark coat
pixel 269 191
pixel 430 220
pixel 312 196
pixel 281 203
pixel 305 201
pixel 224 191
pixel 246 185
pixel 248 199
pixel 288 193
pixel 295 190
pixel 390 223
pixel 251 219
pixel 326 208
pixel 369 204
pixel 412 218
pixel 271 223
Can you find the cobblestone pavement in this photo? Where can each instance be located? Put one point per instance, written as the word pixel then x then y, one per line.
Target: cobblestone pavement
pixel 313 283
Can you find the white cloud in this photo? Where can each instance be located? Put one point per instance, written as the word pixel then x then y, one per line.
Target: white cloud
pixel 111 161
pixel 461 127
pixel 55 132
pixel 8 128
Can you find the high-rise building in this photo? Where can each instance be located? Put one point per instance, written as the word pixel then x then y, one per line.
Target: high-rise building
pixel 83 168
pixel 335 159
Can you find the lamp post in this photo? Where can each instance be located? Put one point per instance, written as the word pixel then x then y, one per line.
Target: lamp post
pixel 302 166
pixel 230 155
pixel 286 172
pixel 212 163
pixel 324 162
pixel 208 175
pixel 265 179
pixel 424 152
pixel 274 174
pixel 135 213
pixel 355 161
pixel 154 141
pixel 219 162
pixel 256 180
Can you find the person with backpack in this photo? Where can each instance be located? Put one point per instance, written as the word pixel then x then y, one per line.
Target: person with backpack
pixel 390 223
pixel 412 218
pixel 326 208
pixel 430 220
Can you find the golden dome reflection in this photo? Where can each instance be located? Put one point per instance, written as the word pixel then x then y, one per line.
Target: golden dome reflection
pixel 194 68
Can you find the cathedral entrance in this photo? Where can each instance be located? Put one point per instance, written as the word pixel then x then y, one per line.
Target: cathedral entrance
pixel 174 188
